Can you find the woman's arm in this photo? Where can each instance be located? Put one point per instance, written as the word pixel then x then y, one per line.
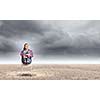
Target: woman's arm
pixel 22 54
pixel 30 54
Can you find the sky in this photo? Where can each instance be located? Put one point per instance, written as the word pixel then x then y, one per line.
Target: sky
pixel 50 40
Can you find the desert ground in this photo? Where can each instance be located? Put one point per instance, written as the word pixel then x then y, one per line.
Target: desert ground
pixel 50 72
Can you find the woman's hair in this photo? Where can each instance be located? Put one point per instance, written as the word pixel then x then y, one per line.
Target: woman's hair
pixel 25 45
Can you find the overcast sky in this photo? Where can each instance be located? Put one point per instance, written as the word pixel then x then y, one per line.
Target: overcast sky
pixel 50 39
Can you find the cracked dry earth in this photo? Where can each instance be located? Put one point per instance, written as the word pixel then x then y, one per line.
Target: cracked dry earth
pixel 50 72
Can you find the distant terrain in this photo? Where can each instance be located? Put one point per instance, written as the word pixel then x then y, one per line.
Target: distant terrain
pixel 50 72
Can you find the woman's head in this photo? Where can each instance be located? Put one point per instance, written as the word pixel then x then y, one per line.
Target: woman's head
pixel 26 46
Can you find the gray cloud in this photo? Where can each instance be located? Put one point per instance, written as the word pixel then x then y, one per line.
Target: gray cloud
pixel 63 38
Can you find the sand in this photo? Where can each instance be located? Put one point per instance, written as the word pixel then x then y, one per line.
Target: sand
pixel 50 72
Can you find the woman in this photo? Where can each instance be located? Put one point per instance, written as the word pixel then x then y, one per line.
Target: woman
pixel 26 54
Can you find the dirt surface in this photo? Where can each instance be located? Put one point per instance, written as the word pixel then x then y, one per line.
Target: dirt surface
pixel 50 72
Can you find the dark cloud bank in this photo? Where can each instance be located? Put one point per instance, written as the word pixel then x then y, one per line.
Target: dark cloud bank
pixel 51 39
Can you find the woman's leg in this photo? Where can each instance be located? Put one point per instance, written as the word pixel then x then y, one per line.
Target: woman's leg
pixel 29 60
pixel 24 60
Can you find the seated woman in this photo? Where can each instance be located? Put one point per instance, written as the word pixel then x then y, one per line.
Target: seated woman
pixel 26 55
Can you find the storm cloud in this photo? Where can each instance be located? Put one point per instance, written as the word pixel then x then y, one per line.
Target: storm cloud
pixel 61 39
